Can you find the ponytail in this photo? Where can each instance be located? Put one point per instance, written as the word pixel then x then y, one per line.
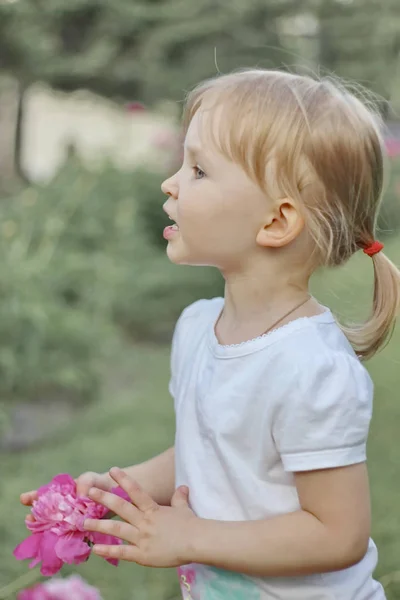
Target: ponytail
pixel 373 335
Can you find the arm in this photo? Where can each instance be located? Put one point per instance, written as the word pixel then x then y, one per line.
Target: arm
pixel 330 532
pixel 156 476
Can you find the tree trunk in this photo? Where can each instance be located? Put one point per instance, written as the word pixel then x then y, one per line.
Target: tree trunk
pixel 9 107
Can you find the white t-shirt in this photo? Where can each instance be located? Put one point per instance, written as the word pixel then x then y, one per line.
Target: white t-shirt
pixel 249 415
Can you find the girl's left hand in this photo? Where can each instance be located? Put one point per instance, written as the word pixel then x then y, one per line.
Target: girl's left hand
pixel 157 536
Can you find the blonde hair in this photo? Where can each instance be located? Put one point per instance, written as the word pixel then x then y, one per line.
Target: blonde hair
pixel 326 151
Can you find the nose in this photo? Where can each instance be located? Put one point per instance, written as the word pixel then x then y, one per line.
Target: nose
pixel 170 187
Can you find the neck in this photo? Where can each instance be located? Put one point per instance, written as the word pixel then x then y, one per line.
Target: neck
pixel 257 298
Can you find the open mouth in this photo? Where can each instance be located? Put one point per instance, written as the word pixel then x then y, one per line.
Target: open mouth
pixel 175 225
pixel 171 230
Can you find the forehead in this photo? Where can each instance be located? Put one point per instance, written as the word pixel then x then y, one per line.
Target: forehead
pixel 205 130
pixel 195 133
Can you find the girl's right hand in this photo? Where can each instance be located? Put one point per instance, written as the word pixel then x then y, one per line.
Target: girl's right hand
pixel 83 484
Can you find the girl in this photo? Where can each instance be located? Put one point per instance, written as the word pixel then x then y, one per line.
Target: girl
pixel 265 493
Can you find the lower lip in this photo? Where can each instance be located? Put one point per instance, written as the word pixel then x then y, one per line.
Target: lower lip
pixel 169 233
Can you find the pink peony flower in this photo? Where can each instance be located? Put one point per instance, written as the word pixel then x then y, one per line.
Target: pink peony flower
pixel 57 530
pixel 134 107
pixel 71 588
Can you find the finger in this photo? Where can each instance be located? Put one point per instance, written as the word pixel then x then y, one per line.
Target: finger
pixel 87 481
pixel 123 531
pixel 82 489
pixel 28 497
pixel 143 501
pixel 129 553
pixel 116 505
pixel 180 497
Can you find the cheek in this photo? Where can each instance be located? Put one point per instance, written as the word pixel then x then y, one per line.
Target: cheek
pixel 209 218
pixel 193 209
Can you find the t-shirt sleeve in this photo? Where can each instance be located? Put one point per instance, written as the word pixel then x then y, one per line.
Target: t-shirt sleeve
pixel 323 419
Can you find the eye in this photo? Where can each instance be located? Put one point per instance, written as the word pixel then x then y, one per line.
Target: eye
pixel 199 173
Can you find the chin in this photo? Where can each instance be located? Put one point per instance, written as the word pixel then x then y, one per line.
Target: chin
pixel 178 256
pixel 175 256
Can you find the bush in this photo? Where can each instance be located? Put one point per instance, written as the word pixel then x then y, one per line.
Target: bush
pixel 154 292
pixel 151 218
pixel 77 260
pixel 52 326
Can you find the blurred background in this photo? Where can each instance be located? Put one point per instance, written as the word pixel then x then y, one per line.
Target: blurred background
pixel 90 100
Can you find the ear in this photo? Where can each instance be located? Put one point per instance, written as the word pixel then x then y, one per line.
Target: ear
pixel 284 224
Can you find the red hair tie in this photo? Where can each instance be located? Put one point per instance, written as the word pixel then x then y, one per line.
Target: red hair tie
pixel 373 248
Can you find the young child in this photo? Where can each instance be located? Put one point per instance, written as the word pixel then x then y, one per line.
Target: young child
pixel 265 493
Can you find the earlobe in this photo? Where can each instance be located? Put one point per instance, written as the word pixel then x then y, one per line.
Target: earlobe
pixel 284 226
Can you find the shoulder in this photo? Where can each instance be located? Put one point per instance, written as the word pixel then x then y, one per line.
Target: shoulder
pixel 204 309
pixel 320 354
pixel 194 319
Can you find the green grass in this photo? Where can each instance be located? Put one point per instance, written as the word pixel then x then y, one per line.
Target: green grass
pixel 134 419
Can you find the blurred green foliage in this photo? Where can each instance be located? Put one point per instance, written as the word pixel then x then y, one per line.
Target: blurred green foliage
pixel 49 340
pixel 83 262
pixel 158 48
pixel 151 219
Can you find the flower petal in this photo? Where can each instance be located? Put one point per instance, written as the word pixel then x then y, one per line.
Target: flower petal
pixel 64 479
pixel 103 538
pixel 35 562
pixel 72 549
pixel 29 594
pixel 118 491
pixel 113 561
pixel 37 592
pixel 68 588
pixel 51 563
pixel 29 548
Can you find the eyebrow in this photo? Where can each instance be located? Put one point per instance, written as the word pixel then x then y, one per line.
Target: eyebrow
pixel 195 151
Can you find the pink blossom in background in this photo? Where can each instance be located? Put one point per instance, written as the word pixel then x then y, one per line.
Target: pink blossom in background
pixel 38 592
pixel 134 107
pixel 169 142
pixel 71 588
pixel 57 530
pixel 392 147
pixel 166 139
